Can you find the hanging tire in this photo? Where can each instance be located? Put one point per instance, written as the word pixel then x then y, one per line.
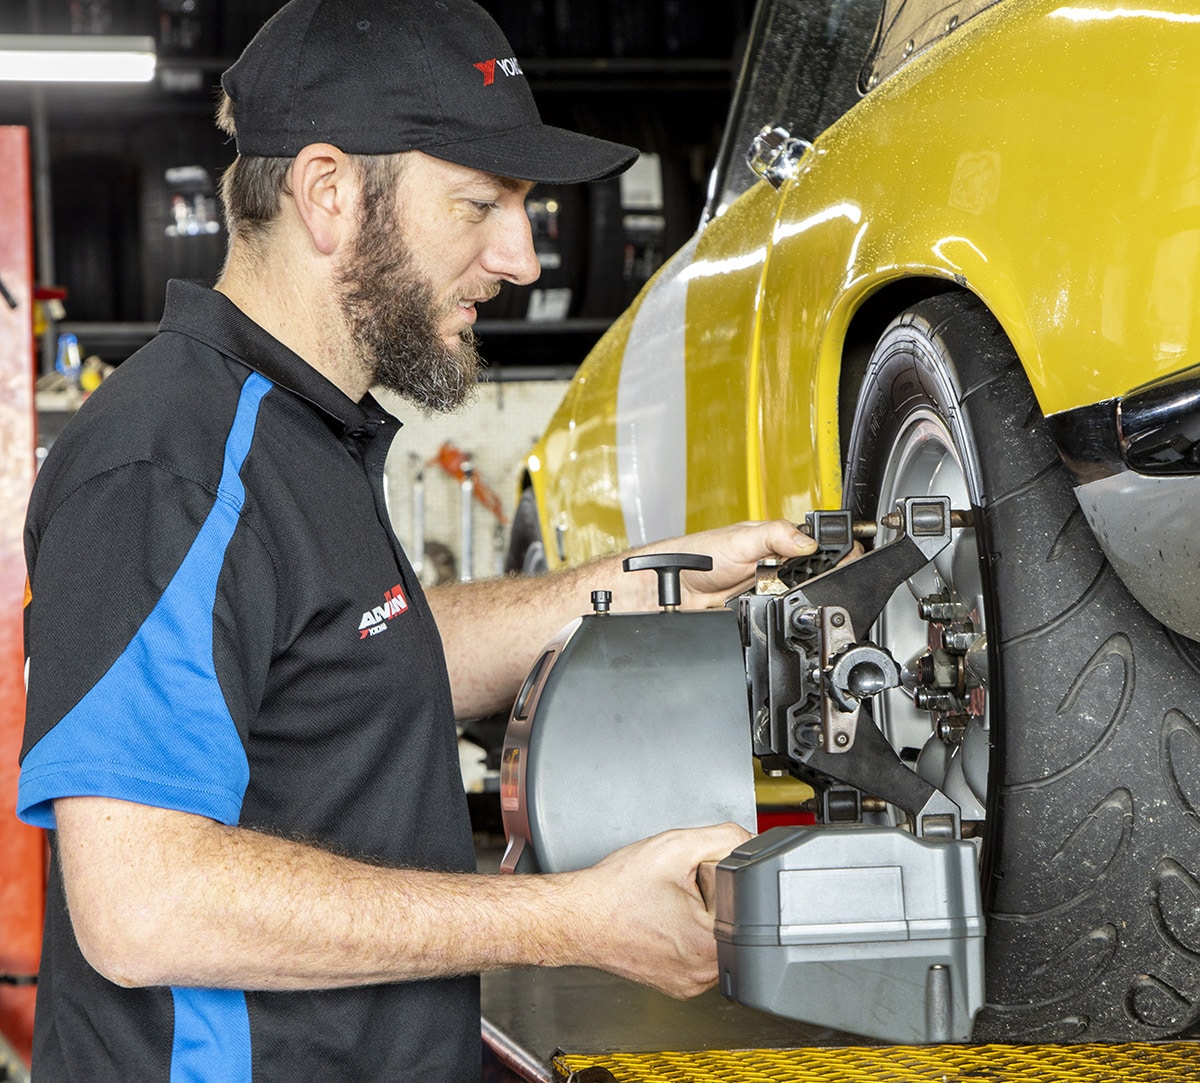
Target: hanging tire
pixel 1076 755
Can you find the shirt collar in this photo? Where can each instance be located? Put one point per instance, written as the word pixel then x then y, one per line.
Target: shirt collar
pixel 212 318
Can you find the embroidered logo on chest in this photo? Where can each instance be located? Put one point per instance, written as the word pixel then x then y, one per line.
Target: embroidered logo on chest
pixel 376 620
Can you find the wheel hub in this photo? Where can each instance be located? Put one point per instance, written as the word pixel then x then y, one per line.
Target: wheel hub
pixel 938 717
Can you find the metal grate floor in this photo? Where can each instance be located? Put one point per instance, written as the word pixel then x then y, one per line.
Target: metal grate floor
pixel 1174 1062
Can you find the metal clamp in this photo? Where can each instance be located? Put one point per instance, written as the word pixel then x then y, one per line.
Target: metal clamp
pixel 775 153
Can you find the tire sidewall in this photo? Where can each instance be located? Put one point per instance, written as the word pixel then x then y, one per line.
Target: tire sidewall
pixel 1089 870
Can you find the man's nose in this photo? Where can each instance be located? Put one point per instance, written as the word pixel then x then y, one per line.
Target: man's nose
pixel 512 255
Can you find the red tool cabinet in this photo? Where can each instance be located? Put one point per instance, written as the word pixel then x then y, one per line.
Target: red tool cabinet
pixel 22 848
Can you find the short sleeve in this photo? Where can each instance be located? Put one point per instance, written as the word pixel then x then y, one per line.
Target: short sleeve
pixel 124 697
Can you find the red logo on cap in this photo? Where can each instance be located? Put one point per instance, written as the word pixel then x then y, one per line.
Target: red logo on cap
pixel 508 66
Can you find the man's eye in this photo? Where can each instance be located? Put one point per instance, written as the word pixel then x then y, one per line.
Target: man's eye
pixel 483 207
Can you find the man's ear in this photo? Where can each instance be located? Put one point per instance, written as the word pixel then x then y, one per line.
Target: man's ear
pixel 325 192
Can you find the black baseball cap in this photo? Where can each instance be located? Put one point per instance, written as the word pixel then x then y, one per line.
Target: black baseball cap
pixel 384 76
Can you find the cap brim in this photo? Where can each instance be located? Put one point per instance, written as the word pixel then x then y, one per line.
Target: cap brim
pixel 540 152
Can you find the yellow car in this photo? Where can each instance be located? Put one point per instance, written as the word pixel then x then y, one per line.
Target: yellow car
pixel 963 263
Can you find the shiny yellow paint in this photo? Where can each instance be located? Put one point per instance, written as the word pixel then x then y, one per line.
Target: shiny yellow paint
pixel 573 467
pixel 724 295
pixel 1091 271
pixel 1045 156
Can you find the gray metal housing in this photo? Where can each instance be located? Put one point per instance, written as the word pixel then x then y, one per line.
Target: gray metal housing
pixel 866 929
pixel 586 772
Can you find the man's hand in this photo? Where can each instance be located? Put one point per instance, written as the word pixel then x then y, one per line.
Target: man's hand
pixel 735 551
pixel 644 916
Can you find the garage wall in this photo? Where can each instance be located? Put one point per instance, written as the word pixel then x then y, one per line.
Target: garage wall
pixel 496 432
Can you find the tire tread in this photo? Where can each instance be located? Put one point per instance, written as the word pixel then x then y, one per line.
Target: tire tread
pixel 1092 882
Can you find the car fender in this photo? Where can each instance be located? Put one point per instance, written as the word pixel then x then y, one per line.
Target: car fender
pixel 1095 287
pixel 607 473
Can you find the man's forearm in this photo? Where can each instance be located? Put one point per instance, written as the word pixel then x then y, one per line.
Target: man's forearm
pixel 167 898
pixel 493 630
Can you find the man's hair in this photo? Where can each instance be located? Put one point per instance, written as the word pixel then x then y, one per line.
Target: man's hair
pixel 252 187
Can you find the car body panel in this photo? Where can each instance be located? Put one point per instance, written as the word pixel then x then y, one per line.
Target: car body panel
pixel 1044 156
pixel 1148 527
pixel 1056 261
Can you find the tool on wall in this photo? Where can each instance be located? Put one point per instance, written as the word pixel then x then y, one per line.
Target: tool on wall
pixel 458 465
pixel 69 362
pixel 466 524
pixel 432 560
pixel 417 554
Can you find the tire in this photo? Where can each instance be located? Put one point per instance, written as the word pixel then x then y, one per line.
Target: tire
pixel 1091 823
pixel 526 550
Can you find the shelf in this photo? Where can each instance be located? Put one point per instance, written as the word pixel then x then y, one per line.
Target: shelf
pixel 486 328
pixel 109 341
pixel 514 349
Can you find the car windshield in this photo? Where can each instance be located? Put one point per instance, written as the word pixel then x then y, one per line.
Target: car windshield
pixel 801 72
pixel 908 26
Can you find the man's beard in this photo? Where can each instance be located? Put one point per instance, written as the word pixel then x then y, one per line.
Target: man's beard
pixel 394 318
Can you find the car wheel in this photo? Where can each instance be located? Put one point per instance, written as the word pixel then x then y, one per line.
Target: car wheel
pixel 526 550
pixel 1038 693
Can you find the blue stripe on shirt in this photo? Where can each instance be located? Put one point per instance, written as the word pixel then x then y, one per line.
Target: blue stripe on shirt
pixel 212 1037
pixel 211 1042
pixel 155 729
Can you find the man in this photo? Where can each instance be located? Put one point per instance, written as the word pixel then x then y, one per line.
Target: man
pixel 262 863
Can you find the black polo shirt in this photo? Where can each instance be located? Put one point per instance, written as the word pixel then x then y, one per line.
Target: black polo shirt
pixel 223 622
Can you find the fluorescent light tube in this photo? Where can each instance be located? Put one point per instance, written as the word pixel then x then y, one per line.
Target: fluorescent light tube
pixel 76 58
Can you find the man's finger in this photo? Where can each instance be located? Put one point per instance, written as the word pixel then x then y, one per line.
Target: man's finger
pixel 787 540
pixel 715 842
pixel 706 881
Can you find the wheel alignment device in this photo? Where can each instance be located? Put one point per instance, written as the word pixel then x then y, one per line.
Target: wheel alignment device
pixel 631 724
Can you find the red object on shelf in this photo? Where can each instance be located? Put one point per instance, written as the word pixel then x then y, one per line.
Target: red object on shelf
pixel 22 848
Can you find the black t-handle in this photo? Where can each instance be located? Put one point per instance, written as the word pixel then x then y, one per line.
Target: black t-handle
pixel 668 566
